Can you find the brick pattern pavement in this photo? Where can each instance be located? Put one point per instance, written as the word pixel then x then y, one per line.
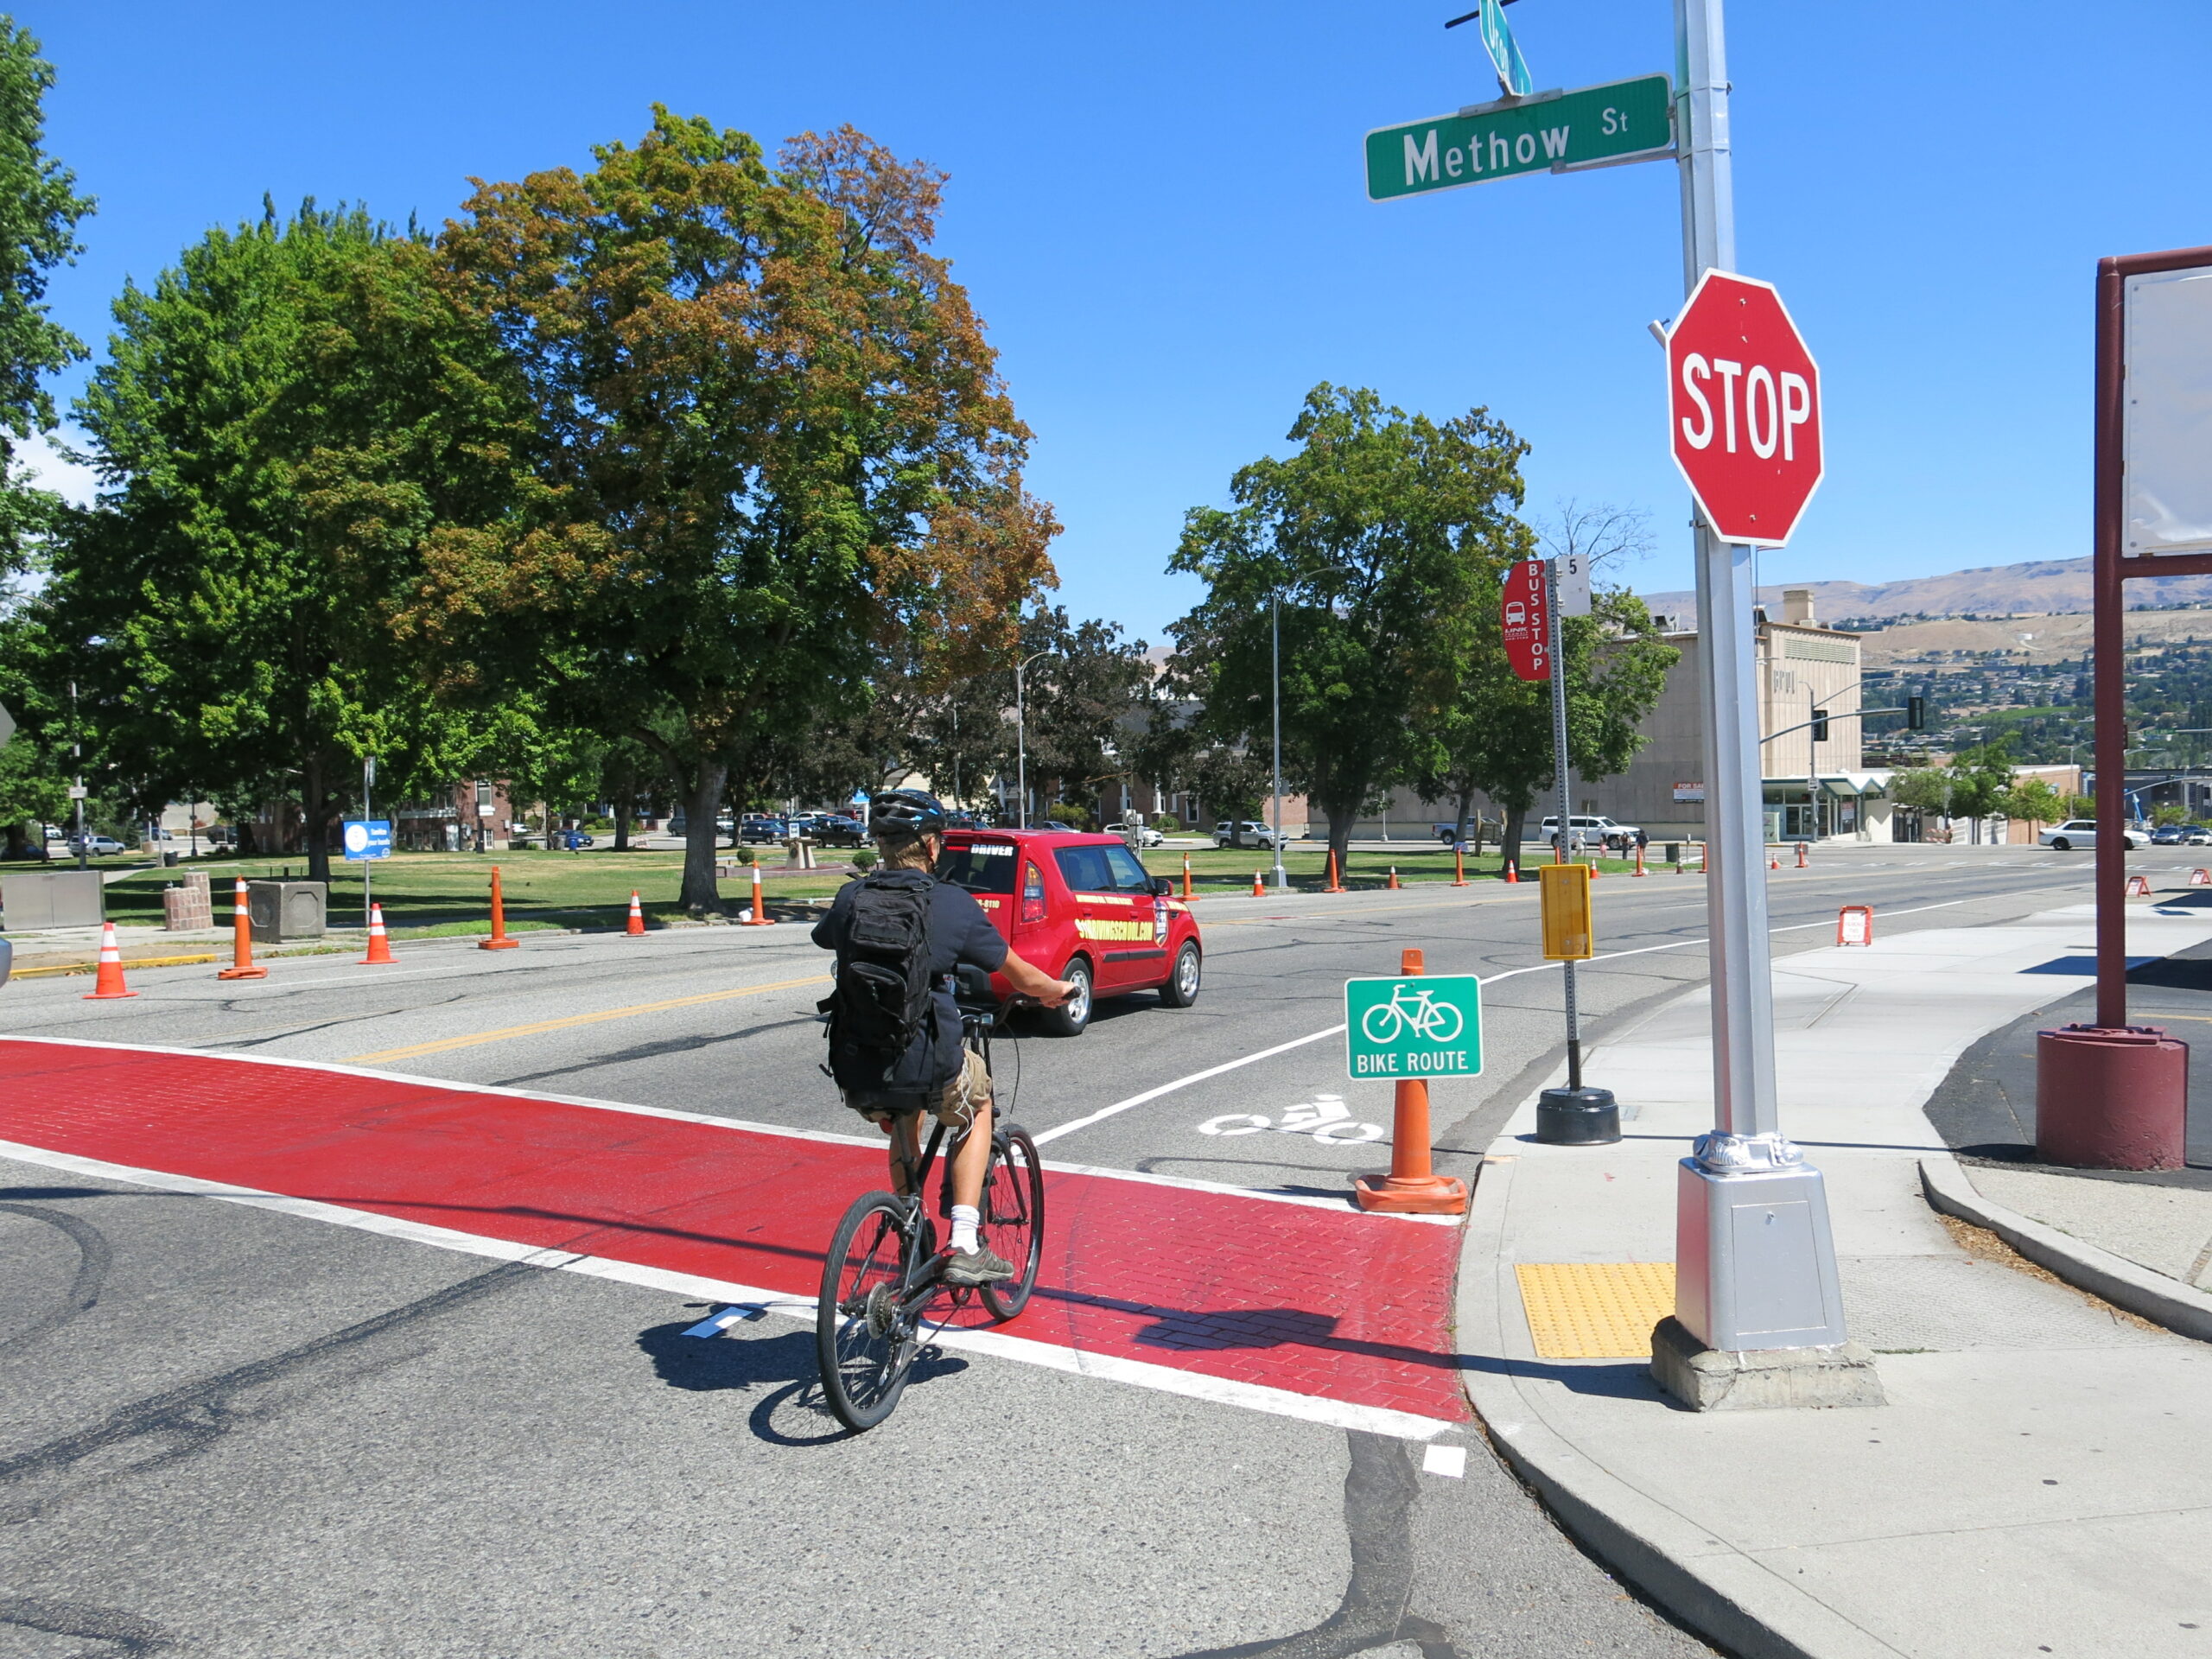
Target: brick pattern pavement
pixel 1336 1305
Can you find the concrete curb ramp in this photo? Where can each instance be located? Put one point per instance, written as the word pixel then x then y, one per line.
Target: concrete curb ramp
pixel 1715 1589
pixel 2179 1308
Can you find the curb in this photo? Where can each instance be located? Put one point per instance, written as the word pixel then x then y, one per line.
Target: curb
pixel 1715 1589
pixel 2179 1308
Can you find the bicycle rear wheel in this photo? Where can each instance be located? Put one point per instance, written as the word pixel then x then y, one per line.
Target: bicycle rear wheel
pixel 1013 1217
pixel 865 1346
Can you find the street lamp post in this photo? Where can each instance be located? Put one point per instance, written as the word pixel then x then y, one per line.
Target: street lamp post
pixel 1022 743
pixel 1274 625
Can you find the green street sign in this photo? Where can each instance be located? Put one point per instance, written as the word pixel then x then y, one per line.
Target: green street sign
pixel 1504 51
pixel 1552 132
pixel 1430 1025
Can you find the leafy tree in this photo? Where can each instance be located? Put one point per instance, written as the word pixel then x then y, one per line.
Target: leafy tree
pixel 2036 802
pixel 2166 814
pixel 1383 536
pixel 772 442
pixel 284 422
pixel 1496 738
pixel 40 210
pixel 1981 777
pixel 1925 789
pixel 1081 699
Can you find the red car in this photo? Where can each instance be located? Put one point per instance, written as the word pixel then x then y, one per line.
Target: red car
pixel 1081 907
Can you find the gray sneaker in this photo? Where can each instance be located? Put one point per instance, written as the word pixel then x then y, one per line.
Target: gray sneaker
pixel 981 1266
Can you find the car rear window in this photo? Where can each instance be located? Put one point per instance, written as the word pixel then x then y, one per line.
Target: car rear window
pixel 980 867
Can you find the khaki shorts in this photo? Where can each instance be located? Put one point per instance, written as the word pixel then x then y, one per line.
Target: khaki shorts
pixel 955 1106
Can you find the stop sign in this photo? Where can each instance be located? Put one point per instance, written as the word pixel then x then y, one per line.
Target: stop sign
pixel 1744 409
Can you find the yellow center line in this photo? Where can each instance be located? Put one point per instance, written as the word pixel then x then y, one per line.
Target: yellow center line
pixel 445 1044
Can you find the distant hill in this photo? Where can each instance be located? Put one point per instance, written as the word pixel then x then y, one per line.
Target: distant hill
pixel 2039 588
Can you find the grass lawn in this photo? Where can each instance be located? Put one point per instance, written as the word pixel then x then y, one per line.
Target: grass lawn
pixel 1307 862
pixel 430 893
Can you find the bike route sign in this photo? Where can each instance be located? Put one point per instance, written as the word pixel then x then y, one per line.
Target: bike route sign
pixel 1425 1027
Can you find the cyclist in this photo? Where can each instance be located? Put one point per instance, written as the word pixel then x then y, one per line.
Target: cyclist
pixel 938 1073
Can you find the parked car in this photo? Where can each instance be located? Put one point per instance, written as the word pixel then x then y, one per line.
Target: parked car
pixel 2083 832
pixel 834 829
pixel 1591 830
pixel 1247 832
pixel 1057 827
pixel 2167 834
pixel 1148 836
pixel 758 828
pixel 1080 907
pixel 98 846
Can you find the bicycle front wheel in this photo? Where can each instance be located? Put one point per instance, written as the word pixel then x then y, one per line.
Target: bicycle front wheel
pixel 1013 1217
pixel 865 1341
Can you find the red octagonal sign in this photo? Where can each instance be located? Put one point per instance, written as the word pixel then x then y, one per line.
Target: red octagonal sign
pixel 1744 409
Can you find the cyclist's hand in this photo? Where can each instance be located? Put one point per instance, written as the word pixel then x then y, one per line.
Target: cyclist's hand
pixel 1062 990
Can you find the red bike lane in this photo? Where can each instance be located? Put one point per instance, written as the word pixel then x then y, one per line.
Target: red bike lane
pixel 1311 1300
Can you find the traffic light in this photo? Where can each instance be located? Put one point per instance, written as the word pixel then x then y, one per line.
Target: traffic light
pixel 1915 713
pixel 1820 725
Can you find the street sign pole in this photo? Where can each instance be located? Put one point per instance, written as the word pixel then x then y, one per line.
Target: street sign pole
pixel 368 778
pixel 1755 1265
pixel 1566 811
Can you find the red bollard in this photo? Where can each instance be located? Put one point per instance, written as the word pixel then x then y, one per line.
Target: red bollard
pixel 1413 1185
pixel 2108 1099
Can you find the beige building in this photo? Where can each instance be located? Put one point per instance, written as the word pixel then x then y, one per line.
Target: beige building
pixel 1804 667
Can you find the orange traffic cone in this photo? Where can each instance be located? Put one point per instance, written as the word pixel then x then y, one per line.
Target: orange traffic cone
pixel 380 942
pixel 499 940
pixel 1639 859
pixel 1772 862
pixel 242 943
pixel 109 983
pixel 1800 856
pixel 760 918
pixel 1513 872
pixel 1188 896
pixel 1335 885
pixel 1459 865
pixel 636 929
pixel 1393 883
pixel 1259 887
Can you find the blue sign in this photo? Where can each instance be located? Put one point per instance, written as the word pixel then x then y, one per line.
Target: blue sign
pixel 368 838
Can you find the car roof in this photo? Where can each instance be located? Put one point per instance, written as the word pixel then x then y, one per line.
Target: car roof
pixel 1059 837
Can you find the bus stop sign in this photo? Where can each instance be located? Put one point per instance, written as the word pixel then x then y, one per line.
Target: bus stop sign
pixel 1743 410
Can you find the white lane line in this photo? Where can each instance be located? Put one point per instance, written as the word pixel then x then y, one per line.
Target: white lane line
pixel 1105 1112
pixel 1119 1106
pixel 1251 1396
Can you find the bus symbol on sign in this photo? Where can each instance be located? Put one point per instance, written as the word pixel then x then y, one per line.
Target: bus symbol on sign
pixel 1424 1027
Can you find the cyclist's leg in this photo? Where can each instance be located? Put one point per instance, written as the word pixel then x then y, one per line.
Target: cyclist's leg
pixel 905 1129
pixel 973 1157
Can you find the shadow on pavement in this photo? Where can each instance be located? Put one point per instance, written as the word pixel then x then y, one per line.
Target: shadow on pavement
pixel 781 1368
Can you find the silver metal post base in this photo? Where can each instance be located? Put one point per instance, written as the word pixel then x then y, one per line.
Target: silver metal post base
pixel 1758 1314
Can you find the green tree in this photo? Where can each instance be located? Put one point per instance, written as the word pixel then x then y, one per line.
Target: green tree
pixel 1383 536
pixel 40 210
pixel 1925 789
pixel 1981 777
pixel 1495 737
pixel 772 442
pixel 285 422
pixel 1083 698
pixel 2035 802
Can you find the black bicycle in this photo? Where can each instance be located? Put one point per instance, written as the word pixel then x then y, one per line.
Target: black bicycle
pixel 883 1290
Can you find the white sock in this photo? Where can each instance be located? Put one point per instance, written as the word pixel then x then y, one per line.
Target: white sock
pixel 964 1217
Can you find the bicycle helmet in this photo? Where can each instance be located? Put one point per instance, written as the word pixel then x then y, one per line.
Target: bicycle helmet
pixel 905 814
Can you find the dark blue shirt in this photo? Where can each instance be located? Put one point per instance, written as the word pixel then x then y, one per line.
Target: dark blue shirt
pixel 959 932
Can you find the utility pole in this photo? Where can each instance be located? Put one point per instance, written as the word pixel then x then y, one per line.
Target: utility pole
pixel 1740 1286
pixel 77 785
pixel 1274 623
pixel 1555 623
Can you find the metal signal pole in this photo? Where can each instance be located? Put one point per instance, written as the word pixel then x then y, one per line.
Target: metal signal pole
pixel 1738 1285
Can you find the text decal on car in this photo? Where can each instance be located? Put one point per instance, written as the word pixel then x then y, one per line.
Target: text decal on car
pixel 1103 927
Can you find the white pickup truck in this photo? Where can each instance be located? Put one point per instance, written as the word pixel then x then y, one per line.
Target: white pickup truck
pixel 1591 829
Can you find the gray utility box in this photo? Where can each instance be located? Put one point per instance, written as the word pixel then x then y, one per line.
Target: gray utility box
pixel 286 910
pixel 53 898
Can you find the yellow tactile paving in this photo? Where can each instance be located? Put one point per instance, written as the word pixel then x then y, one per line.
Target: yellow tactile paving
pixel 1595 1309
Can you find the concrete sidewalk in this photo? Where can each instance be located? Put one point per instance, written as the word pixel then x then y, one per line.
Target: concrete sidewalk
pixel 2037 1482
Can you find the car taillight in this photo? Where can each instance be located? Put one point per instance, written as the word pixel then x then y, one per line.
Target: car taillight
pixel 1032 894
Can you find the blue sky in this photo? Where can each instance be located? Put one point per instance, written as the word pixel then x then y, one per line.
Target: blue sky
pixel 1159 210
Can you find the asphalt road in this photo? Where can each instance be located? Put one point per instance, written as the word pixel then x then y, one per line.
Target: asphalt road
pixel 229 1432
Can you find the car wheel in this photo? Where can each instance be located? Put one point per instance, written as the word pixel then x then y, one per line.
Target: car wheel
pixel 1182 987
pixel 2060 844
pixel 1072 1015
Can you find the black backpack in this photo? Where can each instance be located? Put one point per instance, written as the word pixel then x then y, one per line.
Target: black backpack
pixel 881 998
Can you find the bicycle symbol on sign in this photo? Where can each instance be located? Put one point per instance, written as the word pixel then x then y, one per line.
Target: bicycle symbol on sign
pixel 1326 1118
pixel 1418 1012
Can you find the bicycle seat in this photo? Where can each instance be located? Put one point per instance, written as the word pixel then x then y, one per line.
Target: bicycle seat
pixel 972 989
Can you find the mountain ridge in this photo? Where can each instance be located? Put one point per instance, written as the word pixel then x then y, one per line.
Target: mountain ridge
pixel 2035 587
